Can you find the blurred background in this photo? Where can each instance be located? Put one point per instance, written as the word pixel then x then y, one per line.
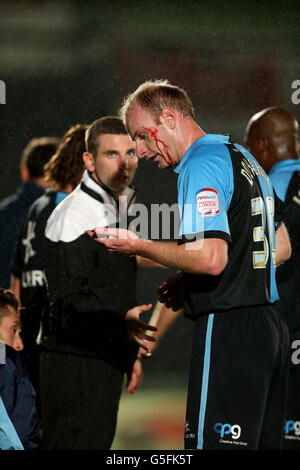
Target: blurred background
pixel 67 62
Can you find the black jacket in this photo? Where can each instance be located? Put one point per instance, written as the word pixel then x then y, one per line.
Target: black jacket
pixel 90 289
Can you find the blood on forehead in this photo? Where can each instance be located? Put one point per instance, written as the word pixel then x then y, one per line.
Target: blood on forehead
pixel 153 133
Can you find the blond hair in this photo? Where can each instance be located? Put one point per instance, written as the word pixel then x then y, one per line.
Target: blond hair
pixel 154 96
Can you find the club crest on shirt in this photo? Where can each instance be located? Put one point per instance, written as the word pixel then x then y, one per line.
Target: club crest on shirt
pixel 208 202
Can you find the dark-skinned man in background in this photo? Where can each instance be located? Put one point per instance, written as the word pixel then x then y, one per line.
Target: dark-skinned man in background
pixel 271 136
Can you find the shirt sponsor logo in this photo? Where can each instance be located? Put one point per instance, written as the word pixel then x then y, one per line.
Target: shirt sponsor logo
pixel 208 202
pixel 33 278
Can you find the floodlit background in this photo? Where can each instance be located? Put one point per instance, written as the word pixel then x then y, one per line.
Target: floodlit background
pixel 67 62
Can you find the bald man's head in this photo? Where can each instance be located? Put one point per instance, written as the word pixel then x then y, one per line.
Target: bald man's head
pixel 271 136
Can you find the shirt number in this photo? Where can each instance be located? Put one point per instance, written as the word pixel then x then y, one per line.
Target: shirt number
pixel 260 258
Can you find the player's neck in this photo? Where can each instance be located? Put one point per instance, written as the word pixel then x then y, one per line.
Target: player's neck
pixel 190 133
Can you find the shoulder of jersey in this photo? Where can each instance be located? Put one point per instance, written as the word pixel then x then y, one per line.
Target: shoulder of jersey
pixel 210 155
pixel 41 203
pixel 75 214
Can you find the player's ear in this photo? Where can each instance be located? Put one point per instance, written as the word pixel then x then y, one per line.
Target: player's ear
pixel 168 118
pixel 89 161
pixel 24 172
pixel 263 144
pixel 263 151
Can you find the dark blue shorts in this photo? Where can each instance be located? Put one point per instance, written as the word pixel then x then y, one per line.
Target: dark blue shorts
pixel 238 381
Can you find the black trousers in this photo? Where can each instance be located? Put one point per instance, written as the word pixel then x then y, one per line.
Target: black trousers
pixel 238 381
pixel 79 401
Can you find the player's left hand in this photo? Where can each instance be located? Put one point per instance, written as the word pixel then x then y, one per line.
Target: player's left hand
pixel 171 292
pixel 134 377
pixel 116 240
pixel 136 328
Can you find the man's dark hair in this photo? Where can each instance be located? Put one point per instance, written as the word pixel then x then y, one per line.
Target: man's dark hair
pixel 37 153
pixel 7 297
pixel 104 125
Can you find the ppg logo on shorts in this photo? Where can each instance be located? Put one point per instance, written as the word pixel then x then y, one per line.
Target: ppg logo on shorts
pixel 292 426
pixel 224 429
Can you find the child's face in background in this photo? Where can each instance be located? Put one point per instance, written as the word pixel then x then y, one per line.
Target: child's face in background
pixel 10 329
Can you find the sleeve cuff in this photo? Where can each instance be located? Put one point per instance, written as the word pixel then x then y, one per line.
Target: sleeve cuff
pixel 186 238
